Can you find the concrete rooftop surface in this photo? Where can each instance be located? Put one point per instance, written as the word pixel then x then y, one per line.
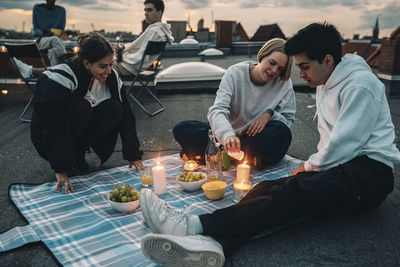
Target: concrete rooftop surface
pixel 367 240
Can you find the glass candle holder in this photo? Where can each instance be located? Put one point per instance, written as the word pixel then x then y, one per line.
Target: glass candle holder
pixel 240 189
pixel 191 166
pixel 146 177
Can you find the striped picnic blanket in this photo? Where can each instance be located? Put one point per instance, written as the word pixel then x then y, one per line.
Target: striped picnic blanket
pixel 81 228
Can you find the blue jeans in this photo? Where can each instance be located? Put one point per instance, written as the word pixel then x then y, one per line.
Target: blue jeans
pixel 270 145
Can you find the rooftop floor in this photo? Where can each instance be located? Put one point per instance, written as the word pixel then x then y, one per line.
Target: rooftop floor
pixel 371 239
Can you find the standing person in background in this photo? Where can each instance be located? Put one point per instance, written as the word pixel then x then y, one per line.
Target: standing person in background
pixel 253 110
pixel 48 24
pixel 132 53
pixel 79 105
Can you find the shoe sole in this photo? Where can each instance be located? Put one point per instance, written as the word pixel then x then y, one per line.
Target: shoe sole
pixel 146 211
pixel 169 253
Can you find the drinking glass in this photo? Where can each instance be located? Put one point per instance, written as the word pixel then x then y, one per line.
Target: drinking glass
pixel 146 177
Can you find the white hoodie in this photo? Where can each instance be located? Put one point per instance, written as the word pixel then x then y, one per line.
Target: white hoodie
pixel 133 52
pixel 353 118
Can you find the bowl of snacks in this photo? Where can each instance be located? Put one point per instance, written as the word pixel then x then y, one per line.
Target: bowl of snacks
pixel 214 190
pixel 191 181
pixel 124 198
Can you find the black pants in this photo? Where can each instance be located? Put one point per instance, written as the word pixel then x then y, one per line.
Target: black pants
pixel 89 125
pixel 356 186
pixel 270 145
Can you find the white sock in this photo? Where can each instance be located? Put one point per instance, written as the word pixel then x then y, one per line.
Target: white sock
pixel 194 225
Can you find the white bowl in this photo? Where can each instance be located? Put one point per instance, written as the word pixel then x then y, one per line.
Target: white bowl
pixel 125 207
pixel 192 186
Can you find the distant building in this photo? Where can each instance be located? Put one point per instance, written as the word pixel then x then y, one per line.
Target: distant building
pixel 388 56
pixel 200 24
pixel 223 32
pixel 267 32
pixel 228 31
pixel 203 34
pixel 178 29
pixel 239 34
pixel 375 31
pixel 363 48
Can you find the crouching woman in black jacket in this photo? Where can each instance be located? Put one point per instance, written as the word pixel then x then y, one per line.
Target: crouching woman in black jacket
pixel 79 104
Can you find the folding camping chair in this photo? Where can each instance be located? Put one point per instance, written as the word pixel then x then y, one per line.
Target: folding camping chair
pixel 25 51
pixel 144 77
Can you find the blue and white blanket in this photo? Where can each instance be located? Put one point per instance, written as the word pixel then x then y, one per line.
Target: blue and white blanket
pixel 81 228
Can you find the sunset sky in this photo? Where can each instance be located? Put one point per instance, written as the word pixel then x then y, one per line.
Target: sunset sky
pixel 350 16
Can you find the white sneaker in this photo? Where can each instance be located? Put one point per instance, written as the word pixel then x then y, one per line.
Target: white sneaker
pixel 193 250
pixel 162 218
pixel 24 69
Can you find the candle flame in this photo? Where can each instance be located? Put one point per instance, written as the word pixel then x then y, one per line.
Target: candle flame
pixel 4 91
pixel 3 49
pixel 245 162
pixel 158 163
pixel 75 49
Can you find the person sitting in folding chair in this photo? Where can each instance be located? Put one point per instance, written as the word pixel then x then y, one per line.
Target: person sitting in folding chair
pixel 79 105
pixel 48 24
pixel 131 55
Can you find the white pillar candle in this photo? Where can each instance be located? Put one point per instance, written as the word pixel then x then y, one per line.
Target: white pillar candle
pixel 243 172
pixel 159 179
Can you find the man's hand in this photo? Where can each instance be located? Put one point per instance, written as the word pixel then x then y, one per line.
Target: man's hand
pixel 298 170
pixel 258 124
pixel 232 144
pixel 62 180
pixel 138 165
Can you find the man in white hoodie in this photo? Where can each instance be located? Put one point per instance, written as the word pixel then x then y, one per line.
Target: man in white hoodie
pixel 156 31
pixel 352 172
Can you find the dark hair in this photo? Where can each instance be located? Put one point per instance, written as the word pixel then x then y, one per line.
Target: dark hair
pixel 316 40
pixel 93 47
pixel 158 4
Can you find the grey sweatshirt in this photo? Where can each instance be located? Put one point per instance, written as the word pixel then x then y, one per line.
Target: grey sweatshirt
pixel 239 102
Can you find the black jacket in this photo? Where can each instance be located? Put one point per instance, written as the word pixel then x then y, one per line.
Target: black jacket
pixel 54 99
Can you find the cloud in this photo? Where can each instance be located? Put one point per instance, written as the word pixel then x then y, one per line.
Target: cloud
pixel 115 5
pixel 20 4
pixel 388 17
pixel 302 3
pixel 102 5
pixel 195 4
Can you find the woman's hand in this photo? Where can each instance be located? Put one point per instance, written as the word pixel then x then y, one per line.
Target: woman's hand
pixel 298 170
pixel 232 144
pixel 258 124
pixel 62 180
pixel 138 165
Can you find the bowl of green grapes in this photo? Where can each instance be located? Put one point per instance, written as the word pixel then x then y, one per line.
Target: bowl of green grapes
pixel 124 198
pixel 191 181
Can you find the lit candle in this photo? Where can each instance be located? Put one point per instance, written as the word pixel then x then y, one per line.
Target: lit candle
pixel 75 50
pixel 240 189
pixel 3 49
pixel 243 171
pixel 190 165
pixel 159 179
